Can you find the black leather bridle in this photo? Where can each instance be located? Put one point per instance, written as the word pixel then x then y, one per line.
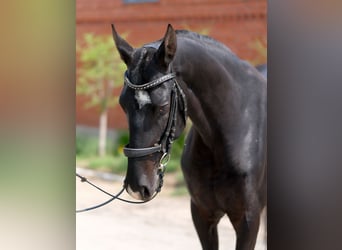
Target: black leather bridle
pixel 164 144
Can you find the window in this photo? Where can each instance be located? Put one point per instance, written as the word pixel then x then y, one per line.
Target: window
pixel 140 1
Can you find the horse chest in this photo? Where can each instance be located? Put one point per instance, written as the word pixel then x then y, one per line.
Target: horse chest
pixel 210 187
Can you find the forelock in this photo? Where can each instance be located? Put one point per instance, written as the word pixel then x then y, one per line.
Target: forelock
pixel 140 57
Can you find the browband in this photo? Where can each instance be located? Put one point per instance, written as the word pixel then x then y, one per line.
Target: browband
pixel 150 84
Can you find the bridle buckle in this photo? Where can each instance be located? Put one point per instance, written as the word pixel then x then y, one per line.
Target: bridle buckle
pixel 164 160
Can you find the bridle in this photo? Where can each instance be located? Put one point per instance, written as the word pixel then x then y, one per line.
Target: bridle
pixel 164 144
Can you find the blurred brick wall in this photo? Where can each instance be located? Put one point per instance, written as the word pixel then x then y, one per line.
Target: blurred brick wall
pixel 236 23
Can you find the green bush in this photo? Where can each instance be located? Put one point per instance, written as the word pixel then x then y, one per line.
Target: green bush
pixel 114 164
pixel 122 140
pixel 180 187
pixel 173 165
pixel 86 145
pixel 176 153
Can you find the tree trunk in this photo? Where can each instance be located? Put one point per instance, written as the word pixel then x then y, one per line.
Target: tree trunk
pixel 103 133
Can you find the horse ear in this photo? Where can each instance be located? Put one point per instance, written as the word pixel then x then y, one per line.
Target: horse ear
pixel 167 48
pixel 123 47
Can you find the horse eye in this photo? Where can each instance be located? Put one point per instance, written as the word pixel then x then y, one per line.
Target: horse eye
pixel 163 109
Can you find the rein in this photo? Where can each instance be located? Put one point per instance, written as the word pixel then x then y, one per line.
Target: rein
pixel 164 145
pixel 115 196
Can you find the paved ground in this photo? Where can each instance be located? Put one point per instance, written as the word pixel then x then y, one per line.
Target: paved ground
pixel 164 223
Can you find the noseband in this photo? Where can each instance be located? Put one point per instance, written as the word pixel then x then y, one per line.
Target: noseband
pixel 165 142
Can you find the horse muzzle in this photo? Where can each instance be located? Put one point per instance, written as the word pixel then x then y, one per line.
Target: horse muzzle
pixel 142 181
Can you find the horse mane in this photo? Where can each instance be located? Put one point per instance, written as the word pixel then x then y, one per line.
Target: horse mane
pixel 207 43
pixel 198 37
pixel 205 40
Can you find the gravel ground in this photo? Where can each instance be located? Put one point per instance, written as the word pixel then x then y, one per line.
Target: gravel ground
pixel 163 223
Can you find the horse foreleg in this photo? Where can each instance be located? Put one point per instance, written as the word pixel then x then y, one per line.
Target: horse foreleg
pixel 247 233
pixel 206 226
pixel 246 225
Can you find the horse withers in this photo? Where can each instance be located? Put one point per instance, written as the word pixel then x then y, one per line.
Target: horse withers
pixel 224 158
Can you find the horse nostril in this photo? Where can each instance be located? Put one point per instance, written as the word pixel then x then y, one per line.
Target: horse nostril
pixel 145 192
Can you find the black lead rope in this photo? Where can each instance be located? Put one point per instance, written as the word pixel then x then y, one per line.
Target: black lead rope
pixel 116 197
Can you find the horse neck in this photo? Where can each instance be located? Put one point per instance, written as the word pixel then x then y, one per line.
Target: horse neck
pixel 210 90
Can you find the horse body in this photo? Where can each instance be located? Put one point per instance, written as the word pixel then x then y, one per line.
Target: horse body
pixel 224 158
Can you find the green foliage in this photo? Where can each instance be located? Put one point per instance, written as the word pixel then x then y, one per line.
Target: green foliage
pixel 180 186
pixel 176 153
pixel 87 146
pixel 203 31
pixel 122 140
pixel 260 46
pixel 100 70
pixel 173 165
pixel 115 164
pixel 86 153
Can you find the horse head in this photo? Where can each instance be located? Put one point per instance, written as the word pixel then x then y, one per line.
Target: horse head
pixel 155 107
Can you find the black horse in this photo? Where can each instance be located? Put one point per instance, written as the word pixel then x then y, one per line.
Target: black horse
pixel 224 158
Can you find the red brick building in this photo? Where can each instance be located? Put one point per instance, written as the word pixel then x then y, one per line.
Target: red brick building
pixel 236 23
